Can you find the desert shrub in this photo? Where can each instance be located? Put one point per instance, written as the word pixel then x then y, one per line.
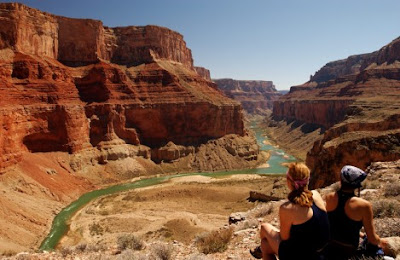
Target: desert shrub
pixel 129 241
pixel 95 247
pixel 374 184
pixel 8 253
pixel 162 251
pixel 386 208
pixel 130 254
pixel 80 247
pixel 96 229
pixel 392 190
pixel 65 251
pixel 215 241
pixel 23 256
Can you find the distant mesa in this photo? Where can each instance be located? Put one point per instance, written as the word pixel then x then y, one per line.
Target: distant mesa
pixel 256 96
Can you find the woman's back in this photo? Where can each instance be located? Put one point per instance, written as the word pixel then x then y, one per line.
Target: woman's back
pixel 309 231
pixel 344 218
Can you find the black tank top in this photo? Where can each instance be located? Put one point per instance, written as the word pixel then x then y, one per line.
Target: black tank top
pixel 306 238
pixel 344 229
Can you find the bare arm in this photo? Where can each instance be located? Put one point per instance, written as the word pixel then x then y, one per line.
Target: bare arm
pixel 285 221
pixel 367 220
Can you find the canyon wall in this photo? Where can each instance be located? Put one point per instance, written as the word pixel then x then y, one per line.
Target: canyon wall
pixel 63 108
pixel 256 96
pixel 84 105
pixel 77 42
pixel 205 73
pixel 355 104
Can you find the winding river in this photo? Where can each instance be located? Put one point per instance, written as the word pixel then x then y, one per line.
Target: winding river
pixel 60 222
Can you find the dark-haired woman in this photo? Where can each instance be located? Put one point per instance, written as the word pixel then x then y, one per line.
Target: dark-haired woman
pixel 303 221
pixel 347 215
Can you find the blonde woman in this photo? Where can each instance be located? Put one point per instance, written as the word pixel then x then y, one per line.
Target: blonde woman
pixel 303 221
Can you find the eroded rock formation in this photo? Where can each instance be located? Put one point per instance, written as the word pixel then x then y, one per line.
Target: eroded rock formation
pixel 105 100
pixel 205 73
pixel 256 96
pixel 355 102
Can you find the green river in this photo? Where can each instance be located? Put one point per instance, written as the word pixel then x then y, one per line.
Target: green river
pixel 60 222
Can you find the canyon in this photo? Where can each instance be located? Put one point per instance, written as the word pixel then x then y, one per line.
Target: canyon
pixel 256 96
pixel 82 108
pixel 348 113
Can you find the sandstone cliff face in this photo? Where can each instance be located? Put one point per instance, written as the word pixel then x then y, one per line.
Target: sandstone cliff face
pixel 77 42
pixel 205 73
pixel 255 96
pixel 103 100
pixel 70 109
pixel 356 101
pixel 336 69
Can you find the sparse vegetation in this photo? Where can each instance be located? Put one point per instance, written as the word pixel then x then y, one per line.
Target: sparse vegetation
pixel 162 251
pixel 130 254
pixel 198 257
pixel 215 241
pixel 373 184
pixel 65 251
pixel 94 247
pixel 80 247
pixel 386 208
pixel 96 229
pixel 392 190
pixel 129 241
pixel 8 253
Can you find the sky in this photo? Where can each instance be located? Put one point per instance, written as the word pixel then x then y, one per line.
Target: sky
pixel 284 41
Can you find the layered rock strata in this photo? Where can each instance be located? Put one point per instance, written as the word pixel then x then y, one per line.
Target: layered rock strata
pixel 71 109
pixel 205 73
pixel 355 102
pixel 256 96
pixel 105 100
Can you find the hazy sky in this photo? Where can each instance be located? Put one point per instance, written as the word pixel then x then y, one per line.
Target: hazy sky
pixel 280 40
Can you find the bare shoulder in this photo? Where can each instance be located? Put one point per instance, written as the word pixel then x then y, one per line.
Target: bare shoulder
pixel 318 200
pixel 360 202
pixel 316 194
pixel 330 195
pixel 285 206
pixel 331 201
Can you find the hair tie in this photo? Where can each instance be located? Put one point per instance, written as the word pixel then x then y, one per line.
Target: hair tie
pixel 298 183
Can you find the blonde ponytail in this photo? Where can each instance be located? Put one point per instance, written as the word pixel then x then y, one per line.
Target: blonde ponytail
pixel 298 174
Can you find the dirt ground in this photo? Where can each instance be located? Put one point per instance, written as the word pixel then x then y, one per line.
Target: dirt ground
pixel 178 210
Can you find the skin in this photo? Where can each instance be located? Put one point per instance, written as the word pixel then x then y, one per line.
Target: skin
pixel 289 214
pixel 357 209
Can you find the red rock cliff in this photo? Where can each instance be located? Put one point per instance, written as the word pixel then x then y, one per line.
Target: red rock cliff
pixel 205 73
pixel 48 106
pixel 256 96
pixel 77 42
pixel 358 108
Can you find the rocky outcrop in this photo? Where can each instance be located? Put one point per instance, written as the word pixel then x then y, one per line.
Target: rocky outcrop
pixel 69 109
pixel 355 102
pixel 340 68
pixel 104 100
pixel 321 113
pixel 205 73
pixel 256 96
pixel 33 32
pixel 356 144
pixel 357 63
